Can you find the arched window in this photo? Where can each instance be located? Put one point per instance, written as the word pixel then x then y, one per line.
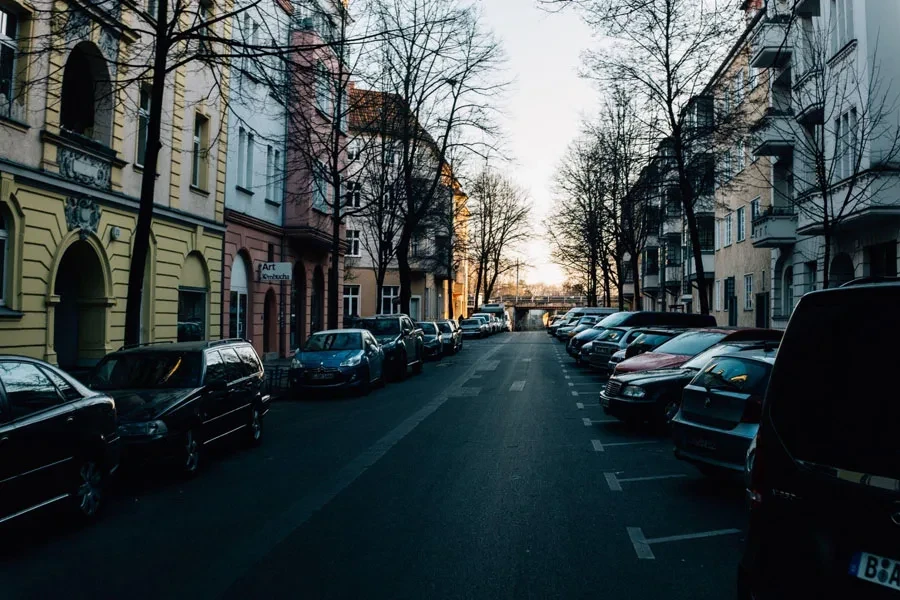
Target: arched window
pixel 4 253
pixel 86 106
pixel 193 288
pixel 237 307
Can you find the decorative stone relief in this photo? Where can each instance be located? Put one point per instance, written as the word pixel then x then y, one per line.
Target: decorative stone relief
pixel 82 214
pixel 83 168
pixel 78 27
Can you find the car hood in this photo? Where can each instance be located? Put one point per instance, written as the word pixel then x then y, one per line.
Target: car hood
pixel 325 358
pixel 141 405
pixel 386 339
pixel 588 335
pixel 651 360
pixel 656 376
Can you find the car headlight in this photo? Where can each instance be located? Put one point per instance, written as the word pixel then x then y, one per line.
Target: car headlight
pixel 296 364
pixel 143 428
pixel 352 361
pixel 633 391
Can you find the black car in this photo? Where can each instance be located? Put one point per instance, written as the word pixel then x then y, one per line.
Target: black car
pixel 451 336
pixel 175 399
pixel 58 440
pixel 824 486
pixel 403 343
pixel 656 395
pixel 431 338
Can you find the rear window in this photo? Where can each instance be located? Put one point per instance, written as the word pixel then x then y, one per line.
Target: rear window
pixel 830 395
pixel 612 335
pixel 427 328
pixel 445 327
pixel 616 319
pixel 589 320
pixel 690 343
pixel 473 322
pixel 734 375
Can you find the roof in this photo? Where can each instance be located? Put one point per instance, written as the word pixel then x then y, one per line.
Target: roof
pixel 386 113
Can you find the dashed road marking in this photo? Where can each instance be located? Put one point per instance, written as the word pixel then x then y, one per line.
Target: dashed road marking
pixel 574 393
pixel 517 386
pixel 601 447
pixel 488 365
pixel 579 406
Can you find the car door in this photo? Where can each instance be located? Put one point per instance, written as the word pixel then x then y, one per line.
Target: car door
pixel 253 369
pixel 409 340
pixel 37 443
pixel 235 409
pixel 374 355
pixel 214 397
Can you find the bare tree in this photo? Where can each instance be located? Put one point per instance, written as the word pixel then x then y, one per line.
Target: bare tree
pixel 666 51
pixel 441 65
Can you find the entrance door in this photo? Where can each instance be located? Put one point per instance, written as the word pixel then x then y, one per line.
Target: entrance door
pixel 762 310
pixel 79 327
pixel 317 302
pixel 415 306
pixel 270 331
pixel 238 318
pixel 731 301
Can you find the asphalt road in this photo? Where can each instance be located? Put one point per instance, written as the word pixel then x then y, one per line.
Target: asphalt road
pixel 494 474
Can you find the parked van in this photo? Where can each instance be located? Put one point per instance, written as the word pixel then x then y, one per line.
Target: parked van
pixel 499 311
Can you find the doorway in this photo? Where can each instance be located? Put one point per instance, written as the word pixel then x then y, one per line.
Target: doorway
pixel 317 301
pixel 270 323
pixel 79 322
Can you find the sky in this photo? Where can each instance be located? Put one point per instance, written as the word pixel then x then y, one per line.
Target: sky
pixel 544 105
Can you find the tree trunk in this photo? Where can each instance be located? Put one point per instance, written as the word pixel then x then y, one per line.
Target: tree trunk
pixel 826 258
pixel 478 277
pixel 404 270
pixel 635 262
pixel 607 300
pixel 333 307
pixel 141 245
pixel 687 202
pixel 620 286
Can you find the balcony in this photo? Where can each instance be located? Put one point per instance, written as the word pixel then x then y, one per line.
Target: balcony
pixel 628 290
pixel 671 226
pixel 775 227
pixel 774 134
pixel 809 98
pixel 771 46
pixel 650 283
pixel 674 275
pixel 808 8
pixel 708 259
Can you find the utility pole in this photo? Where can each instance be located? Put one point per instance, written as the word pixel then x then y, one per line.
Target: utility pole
pixel 517 281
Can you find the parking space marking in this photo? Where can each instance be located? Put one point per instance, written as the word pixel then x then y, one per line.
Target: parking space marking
pixel 571 384
pixel 615 482
pixel 464 392
pixel 579 406
pixel 517 386
pixel 526 360
pixel 574 393
pixel 642 544
pixel 601 447
pixel 588 422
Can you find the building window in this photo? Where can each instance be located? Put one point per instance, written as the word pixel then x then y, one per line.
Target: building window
pixel 353 242
pixel 718 295
pixel 152 7
pixel 841 24
pixel 143 124
pixel 237 315
pixel 845 144
pixel 4 253
pixel 389 294
pixel 353 151
pixel 320 189
pixel 787 296
pixel 810 268
pixel 741 156
pixel 351 300
pixel 741 224
pixel 200 150
pixel 414 246
pixel 204 16
pixel 726 166
pixel 738 87
pixel 191 315
pixel 754 77
pixel 717 238
pixel 323 89
pixel 242 155
pixel 748 292
pixel 9 49
pixel 354 194
pixel 705 228
pixel 248 165
pixel 728 221
pixel 270 172
pixel 279 175
pixel 754 209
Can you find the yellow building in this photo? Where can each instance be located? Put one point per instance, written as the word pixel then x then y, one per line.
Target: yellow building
pixel 71 154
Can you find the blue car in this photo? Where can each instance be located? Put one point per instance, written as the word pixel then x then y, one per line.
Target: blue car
pixel 338 359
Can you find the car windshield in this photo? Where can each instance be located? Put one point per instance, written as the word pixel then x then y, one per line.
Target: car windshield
pixel 428 328
pixel 382 326
pixel 611 335
pixel 653 339
pixel 690 343
pixel 587 320
pixel 470 322
pixel 321 342
pixel 147 370
pixel 699 361
pixel 444 327
pixel 615 319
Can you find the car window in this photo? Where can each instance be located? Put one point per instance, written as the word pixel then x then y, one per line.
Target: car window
pixel 66 389
pixel 830 399
pixel 428 328
pixel 147 370
pixel 333 341
pixel 234 368
pixel 690 343
pixel 700 361
pixel 249 358
pixel 28 389
pixel 734 375
pixel 382 326
pixel 445 327
pixel 612 335
pixel 407 324
pixel 632 335
pixel 215 368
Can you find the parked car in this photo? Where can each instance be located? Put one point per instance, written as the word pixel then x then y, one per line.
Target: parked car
pixel 681 348
pixel 648 318
pixel 498 324
pixel 575 326
pixel 499 311
pixel 601 311
pixel 555 323
pixel 431 337
pixel 173 400
pixel 451 336
pixel 401 341
pixel 578 341
pixel 655 395
pixel 58 440
pixel 720 410
pixel 825 478
pixel 486 321
pixel 338 359
pixel 473 328
pixel 600 355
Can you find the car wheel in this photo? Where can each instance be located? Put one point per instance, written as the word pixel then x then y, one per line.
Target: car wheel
pixel 190 454
pixel 255 427
pixel 88 495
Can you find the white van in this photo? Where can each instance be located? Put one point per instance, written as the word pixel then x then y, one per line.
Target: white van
pixel 499 311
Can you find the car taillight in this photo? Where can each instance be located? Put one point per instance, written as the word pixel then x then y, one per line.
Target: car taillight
pixel 752 410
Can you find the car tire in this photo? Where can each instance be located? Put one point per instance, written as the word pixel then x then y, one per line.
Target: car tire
pixel 88 496
pixel 255 427
pixel 191 451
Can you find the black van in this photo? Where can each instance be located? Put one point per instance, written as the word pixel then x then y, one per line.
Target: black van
pixel 824 484
pixel 647 318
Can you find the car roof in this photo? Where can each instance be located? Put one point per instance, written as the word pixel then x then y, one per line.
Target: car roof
pixel 179 346
pixel 764 354
pixel 348 330
pixel 393 316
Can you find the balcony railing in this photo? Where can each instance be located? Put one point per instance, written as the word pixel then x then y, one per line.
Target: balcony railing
pixel 774 227
pixel 774 134
pixel 771 46
pixel 650 283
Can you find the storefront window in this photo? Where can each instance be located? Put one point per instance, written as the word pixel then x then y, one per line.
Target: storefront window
pixel 191 314
pixel 237 311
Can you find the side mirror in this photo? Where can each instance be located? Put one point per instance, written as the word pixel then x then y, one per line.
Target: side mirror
pixel 217 385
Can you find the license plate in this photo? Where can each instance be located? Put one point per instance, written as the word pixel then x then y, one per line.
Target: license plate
pixel 876 569
pixel 321 376
pixel 701 443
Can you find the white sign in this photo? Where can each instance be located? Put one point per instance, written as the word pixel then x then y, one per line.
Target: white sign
pixel 275 271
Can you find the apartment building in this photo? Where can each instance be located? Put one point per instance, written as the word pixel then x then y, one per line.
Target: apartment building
pixel 73 131
pixel 830 130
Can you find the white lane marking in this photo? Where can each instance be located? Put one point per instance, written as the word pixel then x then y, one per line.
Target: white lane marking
pixel 692 536
pixel 641 547
pixel 653 477
pixel 598 445
pixel 632 443
pixel 566 376
pixel 574 393
pixel 579 406
pixel 613 482
pixel 526 360
pixel 517 386
pixel 464 392
pixel 586 421
pixel 601 447
pixel 238 558
pixel 487 365
pixel 571 384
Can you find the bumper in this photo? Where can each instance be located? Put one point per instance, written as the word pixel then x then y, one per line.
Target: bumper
pixel 627 410
pixel 433 351
pixel 343 379
pixel 702 445
pixel 471 334
pixel 145 450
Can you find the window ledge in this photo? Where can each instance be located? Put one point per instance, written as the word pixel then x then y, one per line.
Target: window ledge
pixel 14 124
pixel 271 202
pixel 8 313
pixel 244 190
pixel 845 50
pixel 199 190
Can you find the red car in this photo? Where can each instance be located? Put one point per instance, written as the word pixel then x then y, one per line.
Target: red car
pixel 682 348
